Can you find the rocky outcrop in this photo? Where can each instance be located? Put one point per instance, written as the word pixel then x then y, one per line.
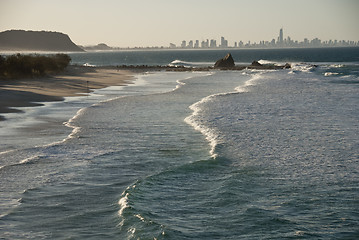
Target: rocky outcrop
pixel 20 40
pixel 226 62
pixel 287 66
pixel 256 64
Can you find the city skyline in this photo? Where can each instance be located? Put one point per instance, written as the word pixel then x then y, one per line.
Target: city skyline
pixel 280 42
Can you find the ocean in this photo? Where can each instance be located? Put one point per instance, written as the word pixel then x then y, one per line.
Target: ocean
pixel 251 154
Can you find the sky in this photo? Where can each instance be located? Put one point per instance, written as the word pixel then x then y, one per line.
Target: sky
pixel 146 23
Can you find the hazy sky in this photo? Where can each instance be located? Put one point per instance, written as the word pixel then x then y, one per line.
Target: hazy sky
pixel 132 23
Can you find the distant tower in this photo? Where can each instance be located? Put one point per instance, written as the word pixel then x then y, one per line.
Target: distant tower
pixel 280 39
pixel 183 44
pixel 190 44
pixel 213 43
pixel 224 43
pixel 196 45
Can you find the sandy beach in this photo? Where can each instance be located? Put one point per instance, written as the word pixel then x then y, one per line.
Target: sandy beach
pixel 75 81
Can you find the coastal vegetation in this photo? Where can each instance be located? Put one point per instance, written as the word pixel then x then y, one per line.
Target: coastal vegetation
pixel 19 66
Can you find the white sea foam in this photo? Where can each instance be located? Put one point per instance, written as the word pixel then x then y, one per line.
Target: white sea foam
pixel 123 203
pixel 7 151
pixel 211 135
pixel 89 65
pixel 302 67
pixel 263 61
pixel 250 82
pixel 181 82
pixel 70 124
pixel 178 62
pixel 336 65
pixel 29 159
pixel 327 74
pixel 140 217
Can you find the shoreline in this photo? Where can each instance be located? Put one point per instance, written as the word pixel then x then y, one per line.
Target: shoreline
pixel 74 81
pixel 81 80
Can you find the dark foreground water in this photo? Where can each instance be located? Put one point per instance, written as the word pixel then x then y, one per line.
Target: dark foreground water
pixel 213 155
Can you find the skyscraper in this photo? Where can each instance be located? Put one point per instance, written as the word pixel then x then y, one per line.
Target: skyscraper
pixel 280 38
pixel 183 44
pixel 213 43
pixel 224 42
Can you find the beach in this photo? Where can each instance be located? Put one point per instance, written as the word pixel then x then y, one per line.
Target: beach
pixel 74 81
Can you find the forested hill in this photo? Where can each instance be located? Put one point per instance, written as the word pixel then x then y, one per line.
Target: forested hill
pixel 20 40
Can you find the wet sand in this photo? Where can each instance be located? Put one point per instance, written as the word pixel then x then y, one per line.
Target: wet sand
pixel 75 81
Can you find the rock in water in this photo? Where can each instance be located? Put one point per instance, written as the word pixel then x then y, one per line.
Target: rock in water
pixel 287 65
pixel 256 64
pixel 226 62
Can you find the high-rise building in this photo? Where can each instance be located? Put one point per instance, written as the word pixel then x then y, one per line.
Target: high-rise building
pixel 184 43
pixel 280 38
pixel 190 44
pixel 196 45
pixel 213 43
pixel 224 43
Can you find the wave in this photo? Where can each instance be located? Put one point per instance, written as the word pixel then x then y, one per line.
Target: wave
pixel 69 124
pixel 302 67
pixel 250 82
pixel 336 65
pixel 263 61
pixel 28 160
pixel 212 136
pixel 123 202
pixel 88 65
pixel 327 74
pixel 7 151
pixel 178 62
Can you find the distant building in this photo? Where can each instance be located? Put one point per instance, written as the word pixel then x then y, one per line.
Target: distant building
pixel 224 43
pixel 190 44
pixel 196 45
pixel 213 43
pixel 172 45
pixel 205 44
pixel 280 37
pixel 183 44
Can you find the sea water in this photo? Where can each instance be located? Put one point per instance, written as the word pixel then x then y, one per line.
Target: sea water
pixel 252 154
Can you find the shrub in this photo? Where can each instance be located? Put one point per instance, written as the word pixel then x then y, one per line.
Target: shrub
pixel 15 66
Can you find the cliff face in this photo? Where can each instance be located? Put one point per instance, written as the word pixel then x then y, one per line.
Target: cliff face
pixel 20 40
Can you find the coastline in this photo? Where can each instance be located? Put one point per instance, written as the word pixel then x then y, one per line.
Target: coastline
pixel 74 81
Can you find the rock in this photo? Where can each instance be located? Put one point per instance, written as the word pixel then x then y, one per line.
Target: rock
pixel 226 62
pixel 287 65
pixel 256 64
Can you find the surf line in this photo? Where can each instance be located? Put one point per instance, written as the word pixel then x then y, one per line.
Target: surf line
pixel 212 136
